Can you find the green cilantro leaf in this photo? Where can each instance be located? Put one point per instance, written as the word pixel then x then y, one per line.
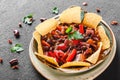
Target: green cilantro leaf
pixel 17 48
pixel 77 35
pixel 55 10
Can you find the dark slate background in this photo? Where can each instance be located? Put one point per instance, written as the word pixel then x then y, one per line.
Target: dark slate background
pixel 12 12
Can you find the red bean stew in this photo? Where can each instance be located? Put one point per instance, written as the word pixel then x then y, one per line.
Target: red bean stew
pixel 70 42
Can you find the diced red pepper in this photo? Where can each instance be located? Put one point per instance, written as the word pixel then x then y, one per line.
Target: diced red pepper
pixel 71 55
pixel 62 47
pixel 58 55
pixel 45 43
pixel 75 42
pixel 51 54
pixel 81 29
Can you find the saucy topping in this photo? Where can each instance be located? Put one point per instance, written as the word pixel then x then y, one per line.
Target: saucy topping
pixel 68 41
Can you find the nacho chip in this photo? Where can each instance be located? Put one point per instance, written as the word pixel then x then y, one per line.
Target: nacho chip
pixel 94 57
pixel 104 38
pixel 47 59
pixel 37 37
pixel 75 64
pixel 47 26
pixel 71 15
pixel 91 20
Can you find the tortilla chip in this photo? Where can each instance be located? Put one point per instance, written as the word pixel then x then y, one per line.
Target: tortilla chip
pixel 91 20
pixel 47 59
pixel 47 26
pixel 104 38
pixel 75 64
pixel 71 15
pixel 94 57
pixel 37 37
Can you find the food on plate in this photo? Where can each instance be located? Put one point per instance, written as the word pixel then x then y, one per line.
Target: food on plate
pixel 47 26
pixel 50 60
pixel 104 38
pixel 37 37
pixel 91 20
pixel 94 57
pixel 74 64
pixel 72 15
pixel 72 40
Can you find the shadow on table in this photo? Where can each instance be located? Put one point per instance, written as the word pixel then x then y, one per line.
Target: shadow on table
pixel 111 73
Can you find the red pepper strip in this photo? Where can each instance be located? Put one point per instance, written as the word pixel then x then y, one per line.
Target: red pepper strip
pixel 82 57
pixel 81 29
pixel 72 55
pixel 45 43
pixel 64 57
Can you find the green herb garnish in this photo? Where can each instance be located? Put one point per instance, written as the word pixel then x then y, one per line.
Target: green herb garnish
pixel 28 19
pixel 55 10
pixel 17 48
pixel 69 29
pixel 75 35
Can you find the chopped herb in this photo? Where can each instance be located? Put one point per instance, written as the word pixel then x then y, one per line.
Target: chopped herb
pixel 77 35
pixel 55 10
pixel 69 29
pixel 28 19
pixel 70 36
pixel 17 48
pixel 30 16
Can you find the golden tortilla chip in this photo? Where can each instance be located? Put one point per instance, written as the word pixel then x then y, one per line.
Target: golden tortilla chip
pixel 71 15
pixel 95 56
pixel 47 26
pixel 37 37
pixel 104 38
pixel 91 20
pixel 47 59
pixel 75 64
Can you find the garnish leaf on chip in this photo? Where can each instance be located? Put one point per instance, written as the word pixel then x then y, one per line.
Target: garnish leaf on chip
pixel 82 15
pixel 17 48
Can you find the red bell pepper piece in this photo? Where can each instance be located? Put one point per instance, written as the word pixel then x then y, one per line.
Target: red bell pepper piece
pixel 75 42
pixel 62 47
pixel 81 29
pixel 51 54
pixel 71 55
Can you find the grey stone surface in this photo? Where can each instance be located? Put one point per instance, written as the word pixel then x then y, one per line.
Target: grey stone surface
pixel 12 12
